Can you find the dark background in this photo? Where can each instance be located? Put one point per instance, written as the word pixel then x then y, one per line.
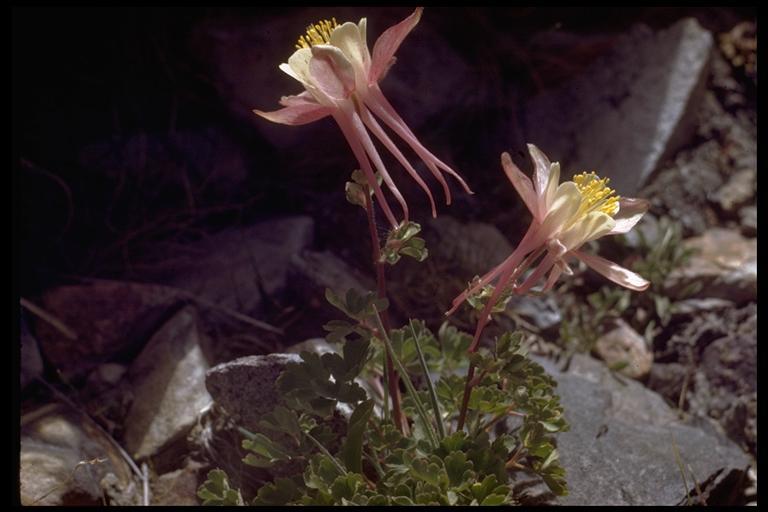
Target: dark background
pixel 133 126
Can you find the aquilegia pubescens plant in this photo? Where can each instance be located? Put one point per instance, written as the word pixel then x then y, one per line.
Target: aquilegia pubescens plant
pixel 414 430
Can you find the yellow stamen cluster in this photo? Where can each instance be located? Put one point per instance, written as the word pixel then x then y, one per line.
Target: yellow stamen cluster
pixel 317 33
pixel 595 194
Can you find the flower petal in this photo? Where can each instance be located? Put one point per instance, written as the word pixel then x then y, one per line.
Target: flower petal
pixel 613 271
pixel 377 130
pixel 541 167
pixel 551 190
pixel 331 71
pixel 387 44
pixel 555 251
pixel 296 114
pixel 564 206
pixel 631 210
pixel 298 65
pixel 373 154
pixel 592 226
pixel 522 184
pixel 351 42
pixel 375 100
pixel 343 118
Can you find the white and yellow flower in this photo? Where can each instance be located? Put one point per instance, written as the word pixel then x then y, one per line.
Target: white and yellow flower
pixel 565 217
pixel 340 77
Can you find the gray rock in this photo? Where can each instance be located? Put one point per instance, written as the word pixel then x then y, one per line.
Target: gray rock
pixel 474 247
pixel 726 383
pixel 685 309
pixel 631 109
pixel 725 264
pixel 668 380
pixel 245 387
pixel 168 380
pixel 232 268
pixel 31 360
pixel 313 272
pixel 110 319
pixel 684 188
pixel 177 488
pixel 738 191
pixel 748 220
pixel 623 345
pixel 65 460
pixel 541 312
pixel 619 450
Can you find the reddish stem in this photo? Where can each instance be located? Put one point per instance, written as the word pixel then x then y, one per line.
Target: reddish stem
pixel 381 286
pixel 471 371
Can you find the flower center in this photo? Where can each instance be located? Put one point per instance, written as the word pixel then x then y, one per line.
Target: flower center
pixel 317 33
pixel 595 194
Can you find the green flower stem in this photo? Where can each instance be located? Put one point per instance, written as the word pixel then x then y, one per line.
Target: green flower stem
pixel 430 385
pixel 325 452
pixel 408 384
pixel 374 459
pixel 392 379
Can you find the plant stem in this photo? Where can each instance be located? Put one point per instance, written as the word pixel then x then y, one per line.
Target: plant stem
pixel 471 371
pixel 325 452
pixel 381 286
pixel 422 412
pixel 430 386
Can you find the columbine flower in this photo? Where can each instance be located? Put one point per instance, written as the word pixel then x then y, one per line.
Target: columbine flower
pixel 341 78
pixel 565 217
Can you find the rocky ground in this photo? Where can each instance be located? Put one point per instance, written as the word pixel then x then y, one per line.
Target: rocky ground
pixel 138 357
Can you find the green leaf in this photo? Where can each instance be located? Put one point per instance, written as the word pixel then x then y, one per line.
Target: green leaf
pixel 281 492
pixel 352 449
pixel 346 486
pixel 494 499
pixel 263 446
pixel 216 490
pixel 459 469
pixel 402 241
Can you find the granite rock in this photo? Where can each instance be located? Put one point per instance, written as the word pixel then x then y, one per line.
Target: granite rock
pixel 168 385
pixel 642 96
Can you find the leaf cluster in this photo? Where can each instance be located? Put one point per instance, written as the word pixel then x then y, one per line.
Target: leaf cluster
pixel 402 241
pixel 368 461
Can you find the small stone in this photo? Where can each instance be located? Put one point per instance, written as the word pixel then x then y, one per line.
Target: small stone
pixel 168 381
pixel 737 192
pixel 316 345
pixel 111 373
pixel 748 219
pixel 725 265
pixel 245 387
pixel 177 488
pixel 65 460
pixel 624 346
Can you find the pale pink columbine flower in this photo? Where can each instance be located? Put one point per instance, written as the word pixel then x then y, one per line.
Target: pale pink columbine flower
pixel 565 217
pixel 341 78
